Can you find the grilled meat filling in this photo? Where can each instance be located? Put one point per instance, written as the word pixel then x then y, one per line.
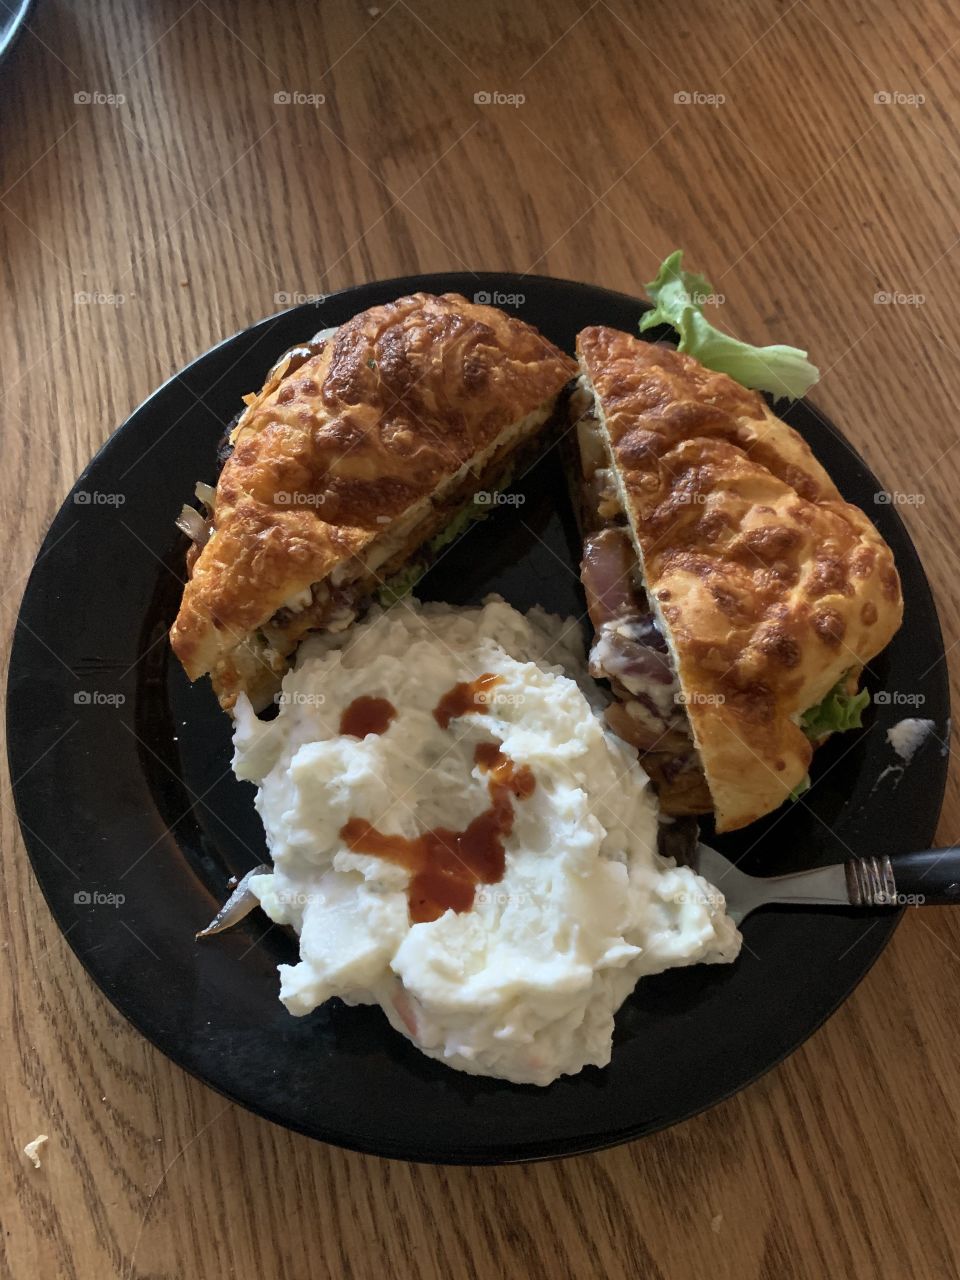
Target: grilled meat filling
pixel 629 649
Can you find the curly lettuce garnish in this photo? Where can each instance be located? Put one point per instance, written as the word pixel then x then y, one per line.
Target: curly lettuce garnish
pixel 837 712
pixel 678 297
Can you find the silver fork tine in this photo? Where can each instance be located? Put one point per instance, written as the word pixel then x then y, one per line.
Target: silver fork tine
pixel 871 882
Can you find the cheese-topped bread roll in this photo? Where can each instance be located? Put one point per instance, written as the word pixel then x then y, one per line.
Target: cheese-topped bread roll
pixel 730 585
pixel 348 468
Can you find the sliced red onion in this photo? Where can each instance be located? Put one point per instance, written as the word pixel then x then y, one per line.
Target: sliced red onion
pixel 627 655
pixel 609 561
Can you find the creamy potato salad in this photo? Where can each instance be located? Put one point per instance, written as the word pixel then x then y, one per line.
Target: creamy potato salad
pixel 456 838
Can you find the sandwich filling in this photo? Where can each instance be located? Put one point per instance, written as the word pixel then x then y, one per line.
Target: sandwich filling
pixel 630 649
pixel 402 553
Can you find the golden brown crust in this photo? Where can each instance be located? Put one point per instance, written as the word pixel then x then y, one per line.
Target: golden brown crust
pixel 769 585
pixel 327 457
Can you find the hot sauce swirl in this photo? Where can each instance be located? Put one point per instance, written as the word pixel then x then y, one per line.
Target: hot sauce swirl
pixel 367 715
pixel 446 866
pixel 503 772
pixel 471 695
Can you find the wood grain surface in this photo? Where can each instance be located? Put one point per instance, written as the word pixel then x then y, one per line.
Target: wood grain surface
pixel 137 232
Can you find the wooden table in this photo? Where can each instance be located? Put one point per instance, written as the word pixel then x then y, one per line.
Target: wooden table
pixel 807 156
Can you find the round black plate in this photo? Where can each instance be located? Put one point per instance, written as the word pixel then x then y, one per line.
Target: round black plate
pixel 134 822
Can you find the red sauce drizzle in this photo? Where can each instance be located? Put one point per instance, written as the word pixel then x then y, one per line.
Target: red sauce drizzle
pixel 463 698
pixel 446 866
pixel 367 715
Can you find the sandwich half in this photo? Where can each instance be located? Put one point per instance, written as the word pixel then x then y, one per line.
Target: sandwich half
pixel 735 596
pixel 358 459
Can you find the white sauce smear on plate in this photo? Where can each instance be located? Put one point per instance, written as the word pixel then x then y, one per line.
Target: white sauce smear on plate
pixel 908 736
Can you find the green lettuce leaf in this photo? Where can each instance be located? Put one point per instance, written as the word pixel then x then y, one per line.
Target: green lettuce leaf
pixel 802 787
pixel 460 523
pixel 401 583
pixel 677 296
pixel 837 712
pixel 470 514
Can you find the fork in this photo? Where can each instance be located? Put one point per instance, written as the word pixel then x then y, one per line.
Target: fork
pixel 931 878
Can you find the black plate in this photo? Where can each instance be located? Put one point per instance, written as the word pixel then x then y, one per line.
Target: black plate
pixel 135 798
